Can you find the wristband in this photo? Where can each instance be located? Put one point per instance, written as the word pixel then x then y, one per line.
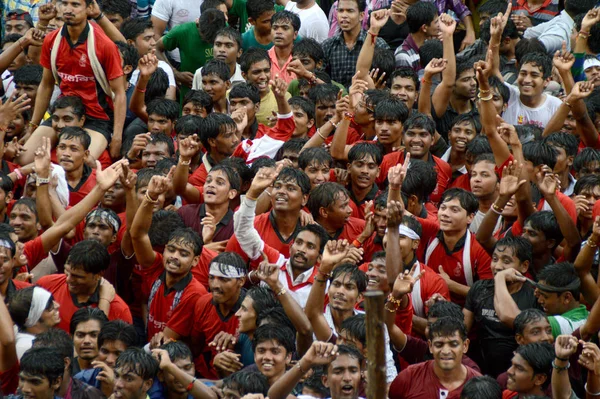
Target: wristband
pixel 191 385
pixel 99 17
pixel 373 37
pixel 357 243
pixel 320 135
pixel 140 90
pixel 335 125
pixel 496 209
pixel 41 180
pixel 591 244
pixel 186 163
pixel 561 359
pixel 33 125
pixel 18 173
pixel 328 275
pixel 282 292
pixel 300 368
pixel 590 393
pixel 560 369
pixel 348 116
pixel 567 103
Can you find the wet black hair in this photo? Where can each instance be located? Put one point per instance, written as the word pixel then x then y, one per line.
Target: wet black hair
pixel 481 387
pixel 391 109
pixel 326 93
pixel 256 8
pixel 419 121
pixel 84 315
pixel 540 60
pixel 245 90
pixel 43 362
pixel 188 125
pixel 315 155
pixel 356 327
pixel 294 175
pixel 526 317
pixel 130 56
pixel 75 133
pixel 119 7
pixel 430 49
pixel 528 46
pixel 587 182
pixel 163 223
pixel 361 151
pixel 566 141
pixel 540 153
pixel 28 75
pixel 408 73
pixel 199 98
pixel 304 104
pixel 560 275
pixel 545 221
pixel 539 356
pixel 284 336
pixel 318 231
pixel 447 327
pixel 90 256
pixel 353 273
pixel 232 34
pixel 133 27
pixel 287 16
pixel 217 68
pixel 247 382
pixel 420 180
pixel 139 362
pixel 252 56
pixel 325 195
pixel 211 21
pixel 117 330
pixel 310 48
pixel 468 201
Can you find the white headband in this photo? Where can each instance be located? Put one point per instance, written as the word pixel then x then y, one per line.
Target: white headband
pixel 590 62
pixel 406 231
pixel 6 244
pixel 226 271
pixel 39 303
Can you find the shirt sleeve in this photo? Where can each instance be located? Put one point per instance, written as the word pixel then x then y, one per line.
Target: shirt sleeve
pixel 171 39
pixel 197 82
pixel 169 71
pixel 399 387
pixel 162 10
pixel 460 9
pixel 470 301
pixel 34 252
pixel 483 262
pixel 247 236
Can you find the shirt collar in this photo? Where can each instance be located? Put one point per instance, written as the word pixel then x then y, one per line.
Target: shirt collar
pixel 359 39
pixel 370 195
pixel 459 245
pixel 87 171
pixel 276 230
pixel 233 310
pixel 178 286
pixel 92 300
pixel 307 276
pixel 224 221
pixel 80 40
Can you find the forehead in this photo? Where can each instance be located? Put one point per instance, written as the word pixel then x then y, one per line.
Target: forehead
pixel 344 361
pixel 404 81
pixel 502 250
pixel 282 22
pixel 347 5
pixel 448 338
pixel 115 345
pixel 260 65
pixel 224 39
pixel 70 141
pixel 452 202
pixel 97 220
pixel 156 145
pixel 88 325
pixel 366 157
pixel 22 208
pixel 344 278
pixel 269 344
pixel 15 22
pixel 595 190
pixel 378 262
pixel 64 111
pixel 417 130
pixel 218 174
pixel 518 359
pixel 467 73
pixel 297 108
pixel 212 76
pixel 308 236
pixel 464 124
pixel 531 67
pixel 485 165
pixel 179 243
pixel 318 164
pixel 536 323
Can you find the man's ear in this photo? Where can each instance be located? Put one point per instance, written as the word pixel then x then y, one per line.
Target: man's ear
pixel 324 380
pixel 539 379
pixel 524 267
pixel 228 84
pixel 323 212
pixel 550 243
pixel 56 384
pixel 319 65
pixel 244 74
pixel 114 238
pixel 470 218
pixel 570 161
pixel 8 197
pixel 520 339
pixel 147 384
pixel 211 143
pixel 127 69
pixel 131 42
pixel 304 200
pixel 232 194
pixel 257 107
pixel 310 124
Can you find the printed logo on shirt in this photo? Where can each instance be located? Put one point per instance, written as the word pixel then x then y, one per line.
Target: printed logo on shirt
pixel 458 270
pixel 520 119
pixel 82 60
pixel 489 314
pixel 182 13
pixel 75 78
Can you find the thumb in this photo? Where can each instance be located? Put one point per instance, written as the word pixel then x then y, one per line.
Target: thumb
pixel 441 269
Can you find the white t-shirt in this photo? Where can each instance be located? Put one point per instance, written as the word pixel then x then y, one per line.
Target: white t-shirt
pixel 162 65
pixel 518 114
pixel 236 78
pixel 24 342
pixel 176 12
pixel 313 21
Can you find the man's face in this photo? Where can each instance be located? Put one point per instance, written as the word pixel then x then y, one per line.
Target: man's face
pixel 74 12
pixel 452 216
pixel 304 252
pixel 174 386
pixel 98 229
pixel 433 29
pixel 226 49
pixel 16 26
pixel 343 293
pixel 538 240
pixel 129 385
pixel 193 109
pixel 405 89
pixel 482 18
pixel 287 196
pixel 466 85
pixel 302 122
pixel 71 154
pixel 363 172
pixel 160 124
pixel 229 393
pixel 154 152
pixel 590 168
pixel 244 102
pixel 349 16
pixel 271 358
pixel 551 302
pixel 531 80
pixel 521 377
pixel 18 62
pixel 306 61
pixel 79 281
pixel 536 331
pixel 179 258
pixel 24 221
pixel 591 195
pixel 259 74
pixel 141 193
pixel 461 134
pixel 215 86
pixel 110 352
pixel 262 25
pixel 50 316
pixel 506 258
pixel 563 162
pixel 292 156
pixel 145 42
pixel 15 128
pixel 217 189
pixel 484 181
pixel 417 142
pixel 36 386
pixel 363 111
pixel 223 289
pixel 498 101
pixel 318 173
pixel 85 339
pixel 377 275
pixel 246 316
pixel 116 20
pixel 408 246
pixel 388 131
pixel 324 111
pixel 592 74
pixel 65 117
pixel 448 351
pixel 226 142
pixel 283 33
pixel 339 212
pixel 29 89
pixel 114 197
pixel 6 265
pixel 380 220
pixel 343 377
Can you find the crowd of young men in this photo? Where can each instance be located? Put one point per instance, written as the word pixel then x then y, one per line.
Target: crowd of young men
pixel 196 195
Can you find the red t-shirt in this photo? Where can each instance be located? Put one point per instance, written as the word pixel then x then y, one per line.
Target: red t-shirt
pixel 198 178
pixel 34 252
pixel 75 70
pixel 9 379
pixel 371 246
pixel 420 382
pixel 56 284
pixel 463 181
pixel 200 271
pixel 207 323
pixel 352 137
pixel 352 229
pixel 160 314
pixel 444 172
pixel 76 194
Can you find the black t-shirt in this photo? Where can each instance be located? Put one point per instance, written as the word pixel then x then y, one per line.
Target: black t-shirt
pixel 394 34
pixel 497 341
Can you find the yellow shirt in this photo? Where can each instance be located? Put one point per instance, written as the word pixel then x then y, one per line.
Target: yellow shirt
pixel 268 105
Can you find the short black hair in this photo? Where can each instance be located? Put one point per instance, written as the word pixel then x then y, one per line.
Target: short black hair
pixel 478 146
pixel 178 350
pixel 354 273
pixel 247 382
pixel 384 60
pixel 355 326
pixel 446 327
pixel 560 275
pixel 188 125
pixel 133 27
pixel 139 362
pixel 57 339
pixel 310 48
pixel 117 330
pixel 245 90
pixel 587 182
pixel 252 56
pixel 232 34
pixel 325 195
pixel 89 255
pixel 76 133
pixel 539 356
pixel 303 103
pixel 199 98
pixel 419 121
pixel 213 125
pixel 232 259
pixel 163 138
pixel 481 387
pixel 408 73
pixel 350 351
pixel 521 247
pixel 545 221
pixel 119 7
pixel 284 336
pixel 391 109
pixel 318 155
pixel 6 183
pixel 130 56
pixel 262 298
pixel 319 231
pixel 276 317
pixel 419 14
pixel 526 317
pixel 468 201
pixel 566 141
pixel 163 107
pixel 431 48
pixel 469 117
pixel 540 153
pixel 86 314
pixel 256 8
pixel 445 309
pixel 420 180
pixel 188 236
pixel 287 16
pixel 28 75
pixel 576 7
pixel 294 175
pixel 210 5
pixel 163 224
pixel 235 182
pixel 240 166
pixel 496 83
pixel 528 46
pixel 19 305
pixel 45 362
pixel 541 60
pixel 218 68
pixel 75 102
pixel 584 158
pixel 326 93
pixel 360 151
pixel 211 21
pixel 157 86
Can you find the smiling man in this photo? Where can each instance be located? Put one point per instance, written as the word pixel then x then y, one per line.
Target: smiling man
pixel 445 375
pixel 530 371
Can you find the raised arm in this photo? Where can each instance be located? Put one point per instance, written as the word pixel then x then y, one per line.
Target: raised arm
pixel 71 218
pixel 147 65
pixel 435 66
pixel 497 25
pixel 564 347
pixel 93 11
pixel 188 148
pixel 365 58
pixel 584 126
pixel 42 100
pixel 583 264
pixel 8 349
pixel 339 150
pixel 42 196
pixel 441 95
pixel 128 180
pixel 32 37
pixel 142 246
pixel 324 131
pixel 505 306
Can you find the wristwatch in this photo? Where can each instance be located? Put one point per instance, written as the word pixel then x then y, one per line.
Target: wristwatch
pixel 41 180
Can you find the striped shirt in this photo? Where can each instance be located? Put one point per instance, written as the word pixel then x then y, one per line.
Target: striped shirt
pixel 408 54
pixel 545 13
pixel 569 321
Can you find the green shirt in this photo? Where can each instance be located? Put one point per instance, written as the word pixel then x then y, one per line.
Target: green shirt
pixel 294 89
pixel 238 9
pixel 193 50
pixel 569 321
pixel 249 40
